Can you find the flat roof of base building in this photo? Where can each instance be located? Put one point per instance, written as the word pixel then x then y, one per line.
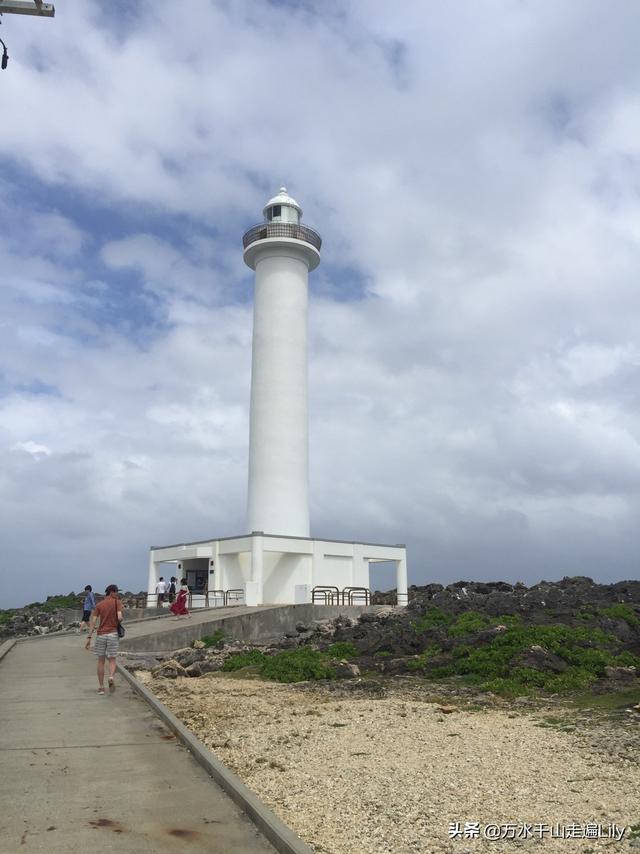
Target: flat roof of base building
pixel 281 537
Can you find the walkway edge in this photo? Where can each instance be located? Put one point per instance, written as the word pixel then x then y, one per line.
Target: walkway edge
pixel 5 647
pixel 276 831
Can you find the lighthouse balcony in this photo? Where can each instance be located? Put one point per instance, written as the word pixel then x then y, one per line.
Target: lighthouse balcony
pixel 290 230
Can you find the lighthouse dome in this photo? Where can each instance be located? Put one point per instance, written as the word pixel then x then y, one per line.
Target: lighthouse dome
pixel 282 208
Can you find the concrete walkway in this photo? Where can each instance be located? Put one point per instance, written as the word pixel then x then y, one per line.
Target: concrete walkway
pixel 81 772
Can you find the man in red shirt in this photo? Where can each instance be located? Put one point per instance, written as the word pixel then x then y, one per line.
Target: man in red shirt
pixel 106 645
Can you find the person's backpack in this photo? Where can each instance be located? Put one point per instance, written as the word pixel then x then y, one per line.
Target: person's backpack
pixel 172 588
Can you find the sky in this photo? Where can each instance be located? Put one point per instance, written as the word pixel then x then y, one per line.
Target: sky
pixel 474 171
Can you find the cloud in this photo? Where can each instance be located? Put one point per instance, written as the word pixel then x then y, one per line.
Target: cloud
pixel 474 364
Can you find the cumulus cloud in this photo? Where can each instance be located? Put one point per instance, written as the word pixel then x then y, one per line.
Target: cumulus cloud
pixel 474 362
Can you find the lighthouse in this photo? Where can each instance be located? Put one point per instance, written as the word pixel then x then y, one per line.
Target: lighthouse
pixel 276 561
pixel 282 252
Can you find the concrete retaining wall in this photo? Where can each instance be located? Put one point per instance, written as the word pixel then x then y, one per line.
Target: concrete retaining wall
pixel 5 647
pixel 260 626
pixel 71 616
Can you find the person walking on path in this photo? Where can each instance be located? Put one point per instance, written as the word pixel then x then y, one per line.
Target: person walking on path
pixel 88 605
pixel 179 607
pixel 106 646
pixel 161 589
pixel 173 589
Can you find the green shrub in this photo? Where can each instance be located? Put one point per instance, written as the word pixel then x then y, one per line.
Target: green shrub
pixel 508 687
pixel 620 611
pixel 382 653
pixel 296 665
pixel 468 623
pixel 511 621
pixel 462 651
pixel 433 618
pixel 342 649
pixel 5 616
pixel 586 652
pixel 290 665
pixel 421 662
pixel 243 659
pixel 627 659
pixel 54 602
pixel 213 640
pixel 575 679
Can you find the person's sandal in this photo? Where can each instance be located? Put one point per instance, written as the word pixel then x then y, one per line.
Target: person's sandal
pixel 112 686
pixel 100 690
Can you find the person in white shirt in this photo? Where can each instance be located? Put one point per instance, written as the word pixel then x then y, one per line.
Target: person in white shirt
pixel 161 589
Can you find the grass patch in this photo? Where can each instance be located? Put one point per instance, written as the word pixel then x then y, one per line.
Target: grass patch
pixel 297 665
pixel 291 665
pixel 468 623
pixel 433 618
pixel 422 661
pixel 493 666
pixel 71 600
pixel 613 701
pixel 215 639
pixel 243 659
pixel 620 611
pixel 5 616
pixel 342 649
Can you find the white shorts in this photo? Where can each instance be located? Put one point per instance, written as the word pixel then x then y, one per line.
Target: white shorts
pixel 106 645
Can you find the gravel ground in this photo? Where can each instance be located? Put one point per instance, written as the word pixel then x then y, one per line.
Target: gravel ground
pixel 371 771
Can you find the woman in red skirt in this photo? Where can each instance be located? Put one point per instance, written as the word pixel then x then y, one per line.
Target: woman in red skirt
pixel 179 607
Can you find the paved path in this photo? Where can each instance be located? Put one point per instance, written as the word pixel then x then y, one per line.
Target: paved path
pixel 81 772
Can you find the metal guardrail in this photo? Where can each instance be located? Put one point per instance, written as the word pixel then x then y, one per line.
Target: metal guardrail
pixel 352 594
pixel 326 595
pixel 233 595
pixel 212 598
pixel 282 229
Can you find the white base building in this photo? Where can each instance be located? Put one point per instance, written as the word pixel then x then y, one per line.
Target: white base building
pixel 266 569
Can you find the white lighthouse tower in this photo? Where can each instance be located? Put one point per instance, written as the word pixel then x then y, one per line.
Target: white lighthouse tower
pixel 282 252
pixel 276 561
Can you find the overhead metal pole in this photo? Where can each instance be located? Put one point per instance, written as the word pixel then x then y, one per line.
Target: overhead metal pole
pixel 27 7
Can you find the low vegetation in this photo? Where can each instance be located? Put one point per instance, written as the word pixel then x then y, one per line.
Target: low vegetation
pixel 213 640
pixel 71 600
pixel 292 665
pixel 498 662
pixel 510 655
pixel 620 611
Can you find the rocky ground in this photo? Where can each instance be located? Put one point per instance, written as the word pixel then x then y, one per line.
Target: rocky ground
pixel 552 636
pixel 392 765
pixel 498 597
pixel 402 751
pixel 53 615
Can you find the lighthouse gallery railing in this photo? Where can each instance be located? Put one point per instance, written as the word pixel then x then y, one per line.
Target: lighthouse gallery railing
pixel 282 229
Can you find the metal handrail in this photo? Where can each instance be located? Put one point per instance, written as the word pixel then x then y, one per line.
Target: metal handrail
pixel 349 594
pixel 282 229
pixel 330 595
pixel 218 594
pixel 235 594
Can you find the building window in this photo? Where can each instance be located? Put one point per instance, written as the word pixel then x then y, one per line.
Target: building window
pixel 276 210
